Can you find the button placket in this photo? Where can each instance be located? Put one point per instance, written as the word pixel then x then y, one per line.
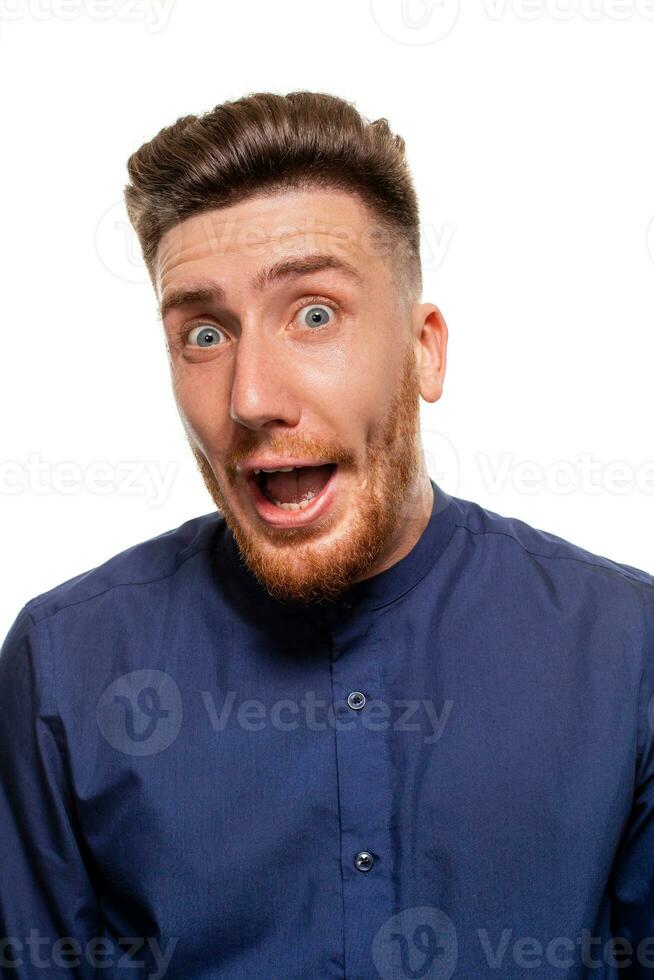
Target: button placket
pixel 364 780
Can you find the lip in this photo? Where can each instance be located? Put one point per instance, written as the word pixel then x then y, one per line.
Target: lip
pixel 278 517
pixel 271 463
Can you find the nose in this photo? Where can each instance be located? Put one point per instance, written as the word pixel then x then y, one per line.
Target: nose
pixel 261 390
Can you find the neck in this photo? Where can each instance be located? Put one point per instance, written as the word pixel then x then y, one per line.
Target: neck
pixel 415 515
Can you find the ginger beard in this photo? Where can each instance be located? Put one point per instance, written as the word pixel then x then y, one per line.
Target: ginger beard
pixel 319 561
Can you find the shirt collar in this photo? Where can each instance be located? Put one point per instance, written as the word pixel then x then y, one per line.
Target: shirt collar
pixel 371 593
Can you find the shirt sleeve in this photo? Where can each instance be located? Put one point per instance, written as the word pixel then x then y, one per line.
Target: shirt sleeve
pixel 48 907
pixel 632 880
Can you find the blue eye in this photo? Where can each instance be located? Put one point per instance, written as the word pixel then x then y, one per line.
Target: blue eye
pixel 207 336
pixel 317 316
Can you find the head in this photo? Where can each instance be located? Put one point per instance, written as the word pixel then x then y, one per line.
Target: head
pixel 281 235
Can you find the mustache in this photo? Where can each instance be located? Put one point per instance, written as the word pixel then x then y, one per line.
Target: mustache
pixel 317 451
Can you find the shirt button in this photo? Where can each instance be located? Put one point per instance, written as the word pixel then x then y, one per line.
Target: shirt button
pixel 356 700
pixel 364 861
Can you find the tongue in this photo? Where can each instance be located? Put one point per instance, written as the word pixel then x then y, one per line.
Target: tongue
pixel 293 487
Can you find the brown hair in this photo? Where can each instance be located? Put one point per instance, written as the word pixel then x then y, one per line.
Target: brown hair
pixel 266 142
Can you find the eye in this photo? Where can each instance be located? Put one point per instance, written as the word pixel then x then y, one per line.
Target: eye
pixel 315 315
pixel 205 335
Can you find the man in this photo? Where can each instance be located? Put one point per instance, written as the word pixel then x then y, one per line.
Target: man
pixel 345 725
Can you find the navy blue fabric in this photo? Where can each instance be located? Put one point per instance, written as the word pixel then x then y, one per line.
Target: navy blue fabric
pixel 180 766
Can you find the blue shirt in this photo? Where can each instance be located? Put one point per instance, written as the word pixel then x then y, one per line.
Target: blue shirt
pixel 448 773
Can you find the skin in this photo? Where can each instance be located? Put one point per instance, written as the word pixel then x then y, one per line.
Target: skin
pixel 348 390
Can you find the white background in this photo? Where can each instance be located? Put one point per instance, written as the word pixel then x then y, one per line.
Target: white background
pixel 529 133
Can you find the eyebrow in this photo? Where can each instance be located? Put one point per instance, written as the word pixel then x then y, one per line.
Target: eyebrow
pixel 208 292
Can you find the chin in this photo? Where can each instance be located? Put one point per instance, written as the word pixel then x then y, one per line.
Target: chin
pixel 306 569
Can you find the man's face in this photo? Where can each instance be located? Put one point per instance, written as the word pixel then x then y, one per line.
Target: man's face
pixel 289 343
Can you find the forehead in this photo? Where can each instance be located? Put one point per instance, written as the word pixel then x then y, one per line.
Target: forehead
pixel 248 237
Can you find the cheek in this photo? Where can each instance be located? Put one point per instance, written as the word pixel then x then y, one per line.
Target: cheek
pixel 350 388
pixel 366 385
pixel 201 407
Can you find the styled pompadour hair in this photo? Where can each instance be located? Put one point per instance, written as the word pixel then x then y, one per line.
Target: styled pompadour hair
pixel 263 143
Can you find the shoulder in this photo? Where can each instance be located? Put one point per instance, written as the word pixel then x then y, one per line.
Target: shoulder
pixel 524 544
pixel 158 559
pixel 88 622
pixel 601 608
pixel 533 572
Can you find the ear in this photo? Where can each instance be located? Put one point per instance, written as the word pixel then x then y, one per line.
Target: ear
pixel 430 333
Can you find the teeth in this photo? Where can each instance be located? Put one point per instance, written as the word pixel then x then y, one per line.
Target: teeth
pixel 284 469
pixel 301 506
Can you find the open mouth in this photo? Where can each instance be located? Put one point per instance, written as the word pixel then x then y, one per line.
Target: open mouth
pixel 296 489
pixel 295 495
